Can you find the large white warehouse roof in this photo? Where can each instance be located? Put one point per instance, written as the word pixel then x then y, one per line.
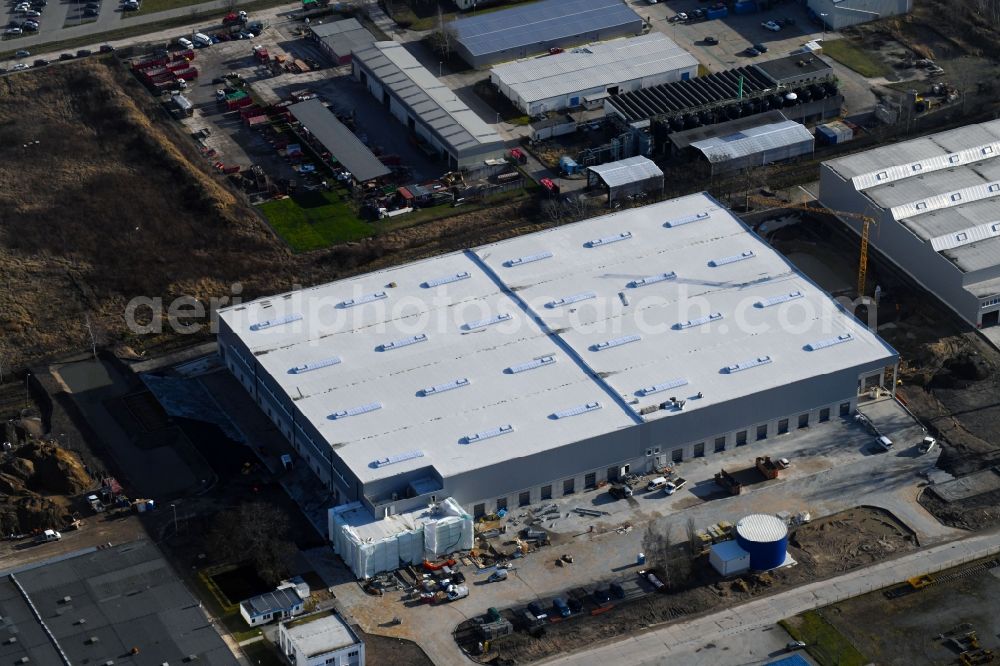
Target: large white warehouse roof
pixel 539 341
pixel 593 65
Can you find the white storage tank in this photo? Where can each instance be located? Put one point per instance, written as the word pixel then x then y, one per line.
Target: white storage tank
pixel 765 537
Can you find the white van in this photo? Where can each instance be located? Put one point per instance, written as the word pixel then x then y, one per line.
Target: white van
pixel 202 38
pixel 186 43
pixel 884 442
pixel 657 483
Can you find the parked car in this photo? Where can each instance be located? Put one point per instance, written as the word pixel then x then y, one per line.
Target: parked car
pixel 760 47
pixel 22 53
pixel 83 53
pixel 497 576
pixel 29 27
pixel 92 5
pixel 675 485
pixel 19 66
pixel 927 445
pixel 31 13
pixel 47 536
pixel 783 463
pixel 679 16
pixel 711 41
pixel 12 32
pixel 751 52
pixel 537 610
pixel 90 13
pixel 107 48
pixel 41 62
pixel 657 483
pixel 560 607
pixel 795 645
pixel 771 25
pixel 601 596
pixel 884 443
pixel 66 56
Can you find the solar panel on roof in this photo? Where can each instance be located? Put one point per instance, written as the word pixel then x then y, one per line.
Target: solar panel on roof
pixel 830 342
pixel 271 323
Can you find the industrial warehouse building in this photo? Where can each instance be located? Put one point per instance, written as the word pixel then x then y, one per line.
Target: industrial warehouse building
pixel 425 105
pixel 319 127
pixel 543 365
pixel 748 142
pixel 537 27
pixel 340 39
pixel 628 177
pixel 936 200
pixel 839 14
pixel 653 115
pixel 586 75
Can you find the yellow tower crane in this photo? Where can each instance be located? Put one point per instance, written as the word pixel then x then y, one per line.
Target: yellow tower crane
pixel 866 222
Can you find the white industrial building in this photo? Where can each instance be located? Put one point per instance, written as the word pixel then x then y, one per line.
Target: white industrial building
pixel 727 150
pixel 839 14
pixel 586 75
pixel 320 639
pixel 540 366
pixel 425 105
pixel 936 200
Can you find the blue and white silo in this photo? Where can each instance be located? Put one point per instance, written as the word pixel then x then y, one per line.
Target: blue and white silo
pixel 765 538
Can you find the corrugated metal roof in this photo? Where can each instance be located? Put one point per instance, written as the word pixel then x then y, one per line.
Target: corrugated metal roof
pixel 761 528
pixel 631 170
pixel 431 100
pixel 339 140
pixel 594 65
pixel 343 37
pixel 540 22
pixel 753 140
pixel 284 599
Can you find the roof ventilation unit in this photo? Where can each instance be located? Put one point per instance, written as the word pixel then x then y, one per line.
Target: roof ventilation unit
pixel 437 282
pixel 520 261
pixel 607 240
pixel 617 342
pixel 746 365
pixel 652 279
pixel 315 365
pixel 398 458
pixel 829 342
pixel 356 411
pixel 531 365
pixel 489 434
pixel 361 300
pixel 271 323
pixel 722 261
pixel 405 342
pixel 665 386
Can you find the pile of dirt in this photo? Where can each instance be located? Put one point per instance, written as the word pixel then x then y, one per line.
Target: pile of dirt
pixel 852 538
pixel 36 483
pixel 974 513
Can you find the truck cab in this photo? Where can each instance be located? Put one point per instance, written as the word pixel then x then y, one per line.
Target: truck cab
pixel 675 485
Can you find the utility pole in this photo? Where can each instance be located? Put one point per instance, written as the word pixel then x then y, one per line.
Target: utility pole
pixel 93 343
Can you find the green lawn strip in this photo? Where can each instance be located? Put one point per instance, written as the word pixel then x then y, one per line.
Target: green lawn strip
pixel 315 220
pixel 848 54
pixel 824 643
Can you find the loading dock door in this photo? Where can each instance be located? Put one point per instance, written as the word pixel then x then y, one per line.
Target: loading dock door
pixel 991 318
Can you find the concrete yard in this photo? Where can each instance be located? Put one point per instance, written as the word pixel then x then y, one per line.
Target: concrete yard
pixel 834 466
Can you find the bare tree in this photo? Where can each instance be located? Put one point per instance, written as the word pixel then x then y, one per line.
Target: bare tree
pixel 256 532
pixel 694 543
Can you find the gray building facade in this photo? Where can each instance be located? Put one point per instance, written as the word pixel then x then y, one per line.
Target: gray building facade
pixel 840 14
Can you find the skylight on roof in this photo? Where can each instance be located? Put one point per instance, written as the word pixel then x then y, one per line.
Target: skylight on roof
pixel 404 342
pixel 489 321
pixel 271 323
pixel 447 279
pixel 700 321
pixel 532 364
pixel 361 300
pixel 398 458
pixel 567 300
pixel 830 342
pixel 665 386
pixel 781 298
pixel 518 261
pixel 356 411
pixel 489 434
pixel 607 240
pixel 652 279
pixel 670 224
pixel 746 365
pixel 617 342
pixel 448 386
pixel 315 365
pixel 732 259
pixel 576 411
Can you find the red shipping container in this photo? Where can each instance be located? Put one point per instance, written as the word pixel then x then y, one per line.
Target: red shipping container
pixel 183 55
pixel 189 74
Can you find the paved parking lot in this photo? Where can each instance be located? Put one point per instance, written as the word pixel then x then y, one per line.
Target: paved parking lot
pixel 834 466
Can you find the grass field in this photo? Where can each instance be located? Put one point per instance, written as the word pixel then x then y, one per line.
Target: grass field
pixel 823 642
pixel 315 220
pixel 848 54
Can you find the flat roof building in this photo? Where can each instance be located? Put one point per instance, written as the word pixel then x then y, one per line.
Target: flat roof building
pixel 839 14
pixel 425 105
pixel 322 126
pixel 537 27
pixel 587 74
pixel 320 639
pixel 340 39
pixel 538 366
pixel 95 606
pixel 937 203
pixel 282 603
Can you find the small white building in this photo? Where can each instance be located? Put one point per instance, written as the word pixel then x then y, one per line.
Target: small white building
pixel 586 75
pixel 320 639
pixel 728 558
pixel 284 602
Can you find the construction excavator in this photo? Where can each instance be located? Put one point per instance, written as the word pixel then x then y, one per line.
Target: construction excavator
pixel 866 222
